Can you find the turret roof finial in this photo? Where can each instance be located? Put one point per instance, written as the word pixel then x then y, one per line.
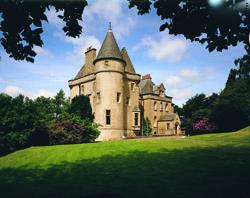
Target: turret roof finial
pixel 110 29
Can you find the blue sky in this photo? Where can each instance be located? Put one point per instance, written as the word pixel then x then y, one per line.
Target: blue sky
pixel 184 68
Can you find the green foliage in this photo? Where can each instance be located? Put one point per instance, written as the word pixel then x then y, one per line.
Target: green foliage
pixel 72 130
pixel 25 122
pixel 232 109
pixel 219 27
pixel 242 69
pixel 146 126
pixel 80 105
pixel 22 24
pixel 197 108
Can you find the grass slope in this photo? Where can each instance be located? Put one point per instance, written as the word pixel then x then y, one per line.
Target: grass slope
pixel 214 165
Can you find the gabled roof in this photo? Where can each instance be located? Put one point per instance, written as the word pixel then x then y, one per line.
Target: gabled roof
pixel 109 49
pixel 146 86
pixel 129 66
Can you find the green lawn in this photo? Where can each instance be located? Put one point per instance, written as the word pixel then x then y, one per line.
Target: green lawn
pixel 215 165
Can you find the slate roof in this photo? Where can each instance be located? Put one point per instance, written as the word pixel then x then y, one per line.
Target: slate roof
pixel 129 65
pixel 146 86
pixel 109 49
pixel 167 117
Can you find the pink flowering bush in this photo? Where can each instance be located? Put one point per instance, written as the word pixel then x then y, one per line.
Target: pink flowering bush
pixel 204 125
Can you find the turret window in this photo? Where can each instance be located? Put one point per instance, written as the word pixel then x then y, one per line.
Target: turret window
pixel 98 97
pixel 106 62
pixel 108 117
pixel 118 97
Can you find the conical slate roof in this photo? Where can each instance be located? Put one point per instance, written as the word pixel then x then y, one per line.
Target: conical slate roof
pixel 109 49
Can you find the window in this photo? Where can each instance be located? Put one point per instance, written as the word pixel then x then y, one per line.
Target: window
pixel 98 97
pixel 166 107
pixel 132 86
pixel 118 97
pixel 81 89
pixel 168 126
pixel 136 119
pixel 155 106
pixel 108 117
pixel 155 121
pixel 127 101
pixel 161 107
pixel 106 62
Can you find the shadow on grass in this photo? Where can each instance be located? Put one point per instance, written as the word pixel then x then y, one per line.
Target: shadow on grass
pixel 194 172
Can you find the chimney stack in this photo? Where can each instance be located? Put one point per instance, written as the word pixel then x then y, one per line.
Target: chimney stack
pixel 90 56
pixel 147 76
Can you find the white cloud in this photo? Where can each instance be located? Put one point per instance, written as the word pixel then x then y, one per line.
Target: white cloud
pixel 181 84
pixel 111 11
pixel 15 91
pixel 43 52
pixel 194 74
pixel 181 93
pixel 174 81
pixel 164 49
pixel 80 44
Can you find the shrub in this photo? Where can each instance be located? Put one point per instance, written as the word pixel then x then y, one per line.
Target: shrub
pixel 72 131
pixel 204 125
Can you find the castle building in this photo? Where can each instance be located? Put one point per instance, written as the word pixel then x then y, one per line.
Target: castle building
pixel 119 97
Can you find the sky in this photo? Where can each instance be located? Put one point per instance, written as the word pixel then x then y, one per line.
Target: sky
pixel 185 68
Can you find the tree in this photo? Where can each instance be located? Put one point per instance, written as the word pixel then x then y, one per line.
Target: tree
pixel 21 24
pixel 232 109
pixel 60 104
pixel 197 108
pixel 218 27
pixel 80 105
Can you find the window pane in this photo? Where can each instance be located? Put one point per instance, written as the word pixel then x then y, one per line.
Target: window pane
pixel 108 117
pixel 136 119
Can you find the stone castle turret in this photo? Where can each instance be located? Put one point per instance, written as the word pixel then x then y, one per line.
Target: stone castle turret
pixel 109 69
